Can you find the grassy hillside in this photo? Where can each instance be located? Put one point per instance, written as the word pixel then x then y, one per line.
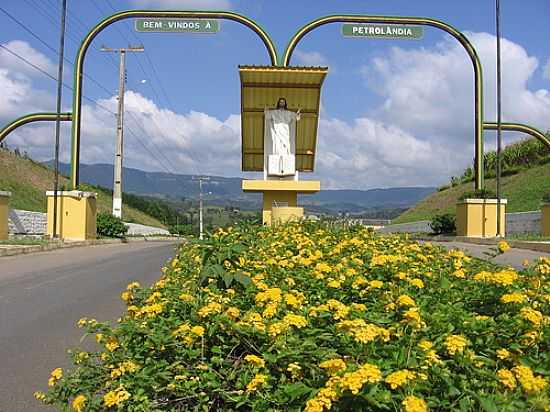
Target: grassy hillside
pixel 524 192
pixel 526 179
pixel 29 180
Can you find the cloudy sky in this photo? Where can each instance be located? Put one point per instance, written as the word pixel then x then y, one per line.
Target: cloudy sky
pixel 394 112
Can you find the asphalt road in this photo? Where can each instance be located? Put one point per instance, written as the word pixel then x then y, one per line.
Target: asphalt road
pixel 513 257
pixel 43 295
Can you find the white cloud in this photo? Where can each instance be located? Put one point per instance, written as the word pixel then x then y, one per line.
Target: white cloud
pixel 23 49
pixel 19 96
pixel 185 4
pixel 312 58
pixel 432 94
pixel 546 70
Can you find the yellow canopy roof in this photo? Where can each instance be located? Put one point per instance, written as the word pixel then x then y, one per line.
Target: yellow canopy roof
pixel 261 87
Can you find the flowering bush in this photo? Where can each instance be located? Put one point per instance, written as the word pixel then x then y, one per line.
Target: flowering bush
pixel 305 317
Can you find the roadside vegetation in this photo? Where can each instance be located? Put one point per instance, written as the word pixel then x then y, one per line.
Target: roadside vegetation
pixel 316 318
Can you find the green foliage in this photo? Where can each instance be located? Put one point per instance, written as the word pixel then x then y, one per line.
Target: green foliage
pixel 110 226
pixel 515 158
pixel 443 224
pixel 246 320
pixel 546 198
pixel 478 194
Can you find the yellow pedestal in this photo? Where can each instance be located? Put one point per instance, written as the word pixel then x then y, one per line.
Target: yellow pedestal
pixel 76 215
pixel 545 220
pixel 286 214
pixel 281 194
pixel 4 214
pixel 478 218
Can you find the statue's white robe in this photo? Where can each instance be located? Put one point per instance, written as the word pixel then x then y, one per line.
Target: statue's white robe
pixel 281 126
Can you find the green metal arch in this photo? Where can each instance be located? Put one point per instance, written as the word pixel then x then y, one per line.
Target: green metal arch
pixel 424 21
pixel 32 117
pixel 79 63
pixel 519 127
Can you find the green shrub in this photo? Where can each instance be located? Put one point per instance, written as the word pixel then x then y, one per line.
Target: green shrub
pixel 546 198
pixel 478 194
pixel 443 224
pixel 110 226
pixel 442 188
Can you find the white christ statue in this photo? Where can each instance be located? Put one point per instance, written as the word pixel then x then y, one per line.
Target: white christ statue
pixel 280 129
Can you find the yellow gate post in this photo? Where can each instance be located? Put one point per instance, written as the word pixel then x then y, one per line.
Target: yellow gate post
pixel 76 214
pixel 4 214
pixel 545 219
pixel 478 217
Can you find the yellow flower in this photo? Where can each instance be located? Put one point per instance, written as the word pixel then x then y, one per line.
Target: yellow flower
pixel 425 345
pixel 413 404
pixel 55 376
pixel 257 382
pixel 112 344
pixel 209 309
pixel 503 246
pixel 255 360
pixel 116 397
pixel 78 403
pixel 532 315
pixel 277 328
pixel 405 300
pixel 354 381
pixel 376 284
pixel 294 369
pixel 186 297
pixel 133 285
pixel 417 282
pixel 126 296
pixel 233 312
pixel 506 377
pixel 513 298
pixel 40 396
pixel 197 330
pixel 399 378
pixel 455 343
pixel 295 320
pixel 503 353
pixel 333 365
pixel 335 284
pixel 530 383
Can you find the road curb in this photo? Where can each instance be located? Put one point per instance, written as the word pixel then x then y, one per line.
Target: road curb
pixel 21 250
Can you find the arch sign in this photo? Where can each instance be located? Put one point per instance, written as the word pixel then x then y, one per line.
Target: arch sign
pixel 389 27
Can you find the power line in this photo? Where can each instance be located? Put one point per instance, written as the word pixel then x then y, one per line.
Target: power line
pixel 99 105
pixel 47 45
pixel 156 77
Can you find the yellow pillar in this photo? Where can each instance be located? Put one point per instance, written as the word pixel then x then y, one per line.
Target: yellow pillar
pixel 280 197
pixel 76 214
pixel 545 219
pixel 4 214
pixel 478 218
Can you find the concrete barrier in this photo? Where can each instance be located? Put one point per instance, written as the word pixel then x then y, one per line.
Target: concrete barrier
pixel 422 226
pixel 23 222
pixel 516 224
pixel 523 222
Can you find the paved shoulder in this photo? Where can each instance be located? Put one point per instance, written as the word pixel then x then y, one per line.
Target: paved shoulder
pixel 513 257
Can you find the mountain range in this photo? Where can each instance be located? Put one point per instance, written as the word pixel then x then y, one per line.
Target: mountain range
pixel 227 190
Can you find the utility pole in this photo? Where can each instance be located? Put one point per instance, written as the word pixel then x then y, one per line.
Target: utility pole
pixel 499 122
pixel 117 183
pixel 201 179
pixel 58 110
